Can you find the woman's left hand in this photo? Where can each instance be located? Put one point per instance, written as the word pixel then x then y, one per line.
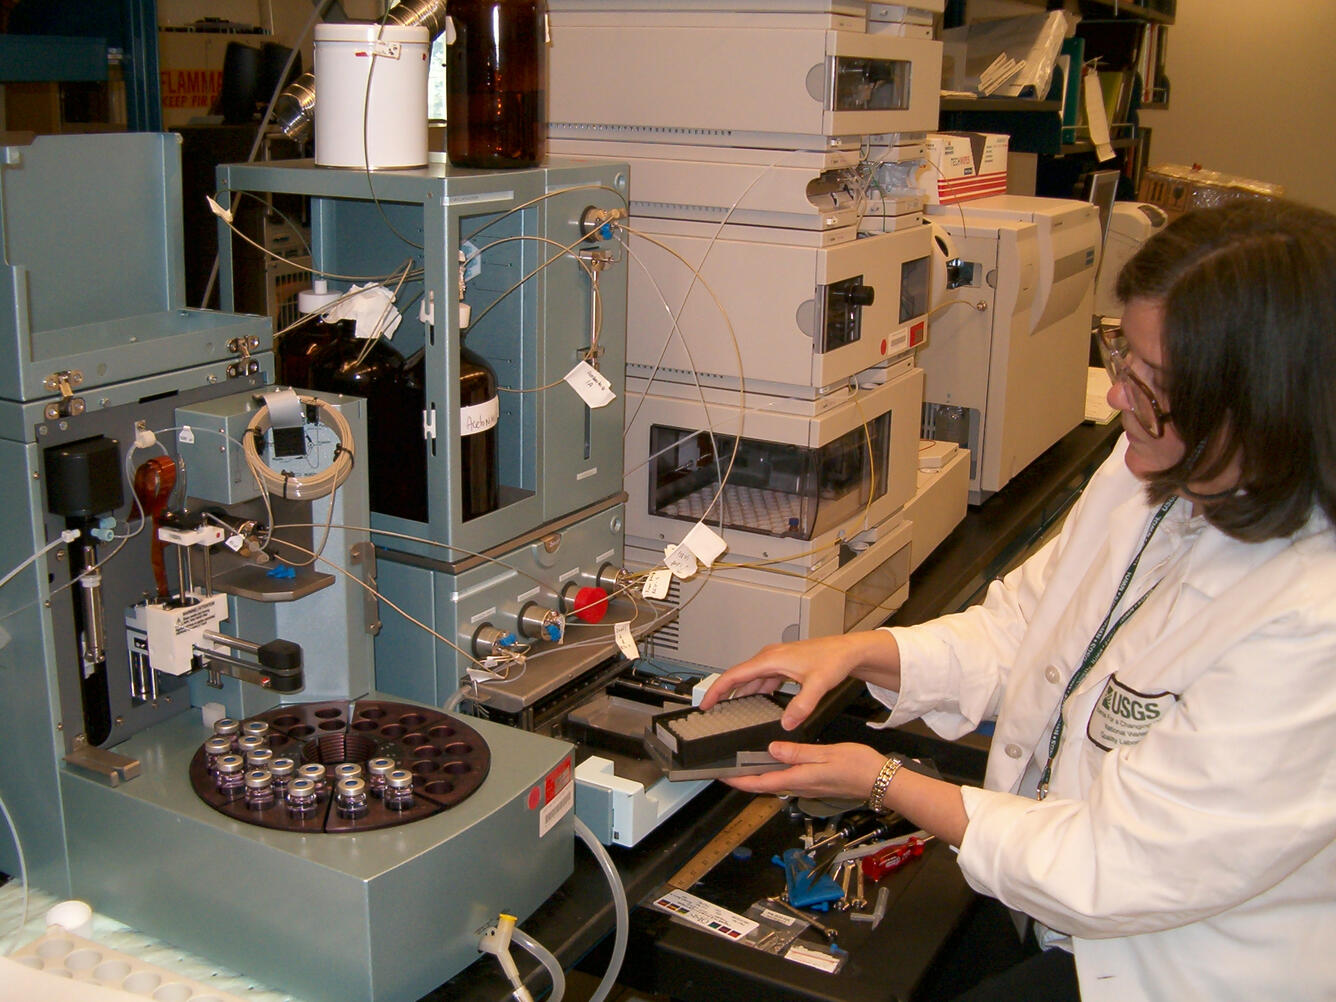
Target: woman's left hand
pixel 843 771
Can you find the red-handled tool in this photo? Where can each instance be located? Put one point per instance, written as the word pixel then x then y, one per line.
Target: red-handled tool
pixel 893 857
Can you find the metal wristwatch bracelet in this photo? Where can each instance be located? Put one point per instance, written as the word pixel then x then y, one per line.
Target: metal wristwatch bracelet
pixel 880 785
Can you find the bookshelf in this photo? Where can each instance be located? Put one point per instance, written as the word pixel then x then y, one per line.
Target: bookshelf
pixel 1125 42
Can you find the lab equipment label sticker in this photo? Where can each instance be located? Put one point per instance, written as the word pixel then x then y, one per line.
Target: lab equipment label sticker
pixel 555 798
pixel 1123 716
pixel 477 418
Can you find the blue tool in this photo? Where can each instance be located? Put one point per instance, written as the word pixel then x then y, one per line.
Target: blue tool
pixel 807 888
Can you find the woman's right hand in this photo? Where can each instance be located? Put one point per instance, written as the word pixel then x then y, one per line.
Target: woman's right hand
pixel 817 665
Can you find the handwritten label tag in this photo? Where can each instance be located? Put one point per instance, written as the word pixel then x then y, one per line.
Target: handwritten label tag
pixel 657 584
pixel 680 560
pixel 625 642
pixel 592 386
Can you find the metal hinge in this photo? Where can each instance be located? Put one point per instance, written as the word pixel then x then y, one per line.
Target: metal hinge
pixel 68 405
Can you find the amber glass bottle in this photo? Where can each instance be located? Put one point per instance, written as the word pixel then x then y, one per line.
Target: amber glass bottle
pixel 375 372
pixel 479 411
pixel 296 348
pixel 494 84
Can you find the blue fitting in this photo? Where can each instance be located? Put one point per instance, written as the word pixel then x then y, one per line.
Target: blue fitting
pixel 282 572
pixel 509 640
pixel 552 631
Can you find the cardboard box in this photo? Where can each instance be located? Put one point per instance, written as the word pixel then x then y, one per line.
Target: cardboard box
pixel 962 166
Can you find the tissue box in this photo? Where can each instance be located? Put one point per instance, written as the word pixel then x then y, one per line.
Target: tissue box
pixel 962 166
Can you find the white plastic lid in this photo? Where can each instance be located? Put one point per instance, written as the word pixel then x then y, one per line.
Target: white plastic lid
pixel 317 298
pixel 366 33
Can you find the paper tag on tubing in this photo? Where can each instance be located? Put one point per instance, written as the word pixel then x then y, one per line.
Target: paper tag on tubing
pixel 626 643
pixel 592 386
pixel 705 543
pixel 680 560
pixel 657 584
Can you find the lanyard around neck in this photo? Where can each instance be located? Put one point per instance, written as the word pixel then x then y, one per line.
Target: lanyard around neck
pixel 1101 640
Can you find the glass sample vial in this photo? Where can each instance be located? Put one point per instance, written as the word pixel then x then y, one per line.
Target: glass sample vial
pixel 259 789
pixel 259 758
pixel 315 772
pixel 214 749
pixel 300 798
pixel 228 728
pixel 376 771
pixel 283 770
pixel 494 84
pixel 347 770
pixel 399 790
pixel 259 728
pixel 248 743
pixel 351 797
pixel 230 778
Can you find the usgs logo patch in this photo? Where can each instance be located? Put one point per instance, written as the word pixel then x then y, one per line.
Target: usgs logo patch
pixel 1123 716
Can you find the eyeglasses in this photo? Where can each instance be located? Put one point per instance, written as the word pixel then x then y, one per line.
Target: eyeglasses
pixel 1114 349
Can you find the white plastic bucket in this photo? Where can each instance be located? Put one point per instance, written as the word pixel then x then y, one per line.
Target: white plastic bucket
pixel 374 76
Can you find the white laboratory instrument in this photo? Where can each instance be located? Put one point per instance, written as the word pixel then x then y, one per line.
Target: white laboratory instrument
pixel 1131 224
pixel 1006 368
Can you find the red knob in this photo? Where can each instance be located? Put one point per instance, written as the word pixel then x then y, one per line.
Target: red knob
pixel 591 604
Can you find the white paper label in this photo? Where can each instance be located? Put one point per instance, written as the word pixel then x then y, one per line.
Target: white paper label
pixel 1096 117
pixel 626 643
pixel 813 958
pixel 592 386
pixel 705 543
pixel 479 417
pixel 386 50
pixel 657 584
pixel 186 435
pixel 557 808
pixel 680 560
pixel 706 915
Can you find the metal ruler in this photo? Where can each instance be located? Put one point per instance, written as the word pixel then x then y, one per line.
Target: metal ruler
pixel 747 822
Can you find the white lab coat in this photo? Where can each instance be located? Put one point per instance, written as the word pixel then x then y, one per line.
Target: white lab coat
pixel 1197 862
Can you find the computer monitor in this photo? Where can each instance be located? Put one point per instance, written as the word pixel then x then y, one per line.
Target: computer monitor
pixel 1101 190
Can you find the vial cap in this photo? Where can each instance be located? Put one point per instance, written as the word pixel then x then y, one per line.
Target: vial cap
pixel 351 786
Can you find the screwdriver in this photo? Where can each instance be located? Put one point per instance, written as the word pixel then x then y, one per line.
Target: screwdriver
pixel 893 857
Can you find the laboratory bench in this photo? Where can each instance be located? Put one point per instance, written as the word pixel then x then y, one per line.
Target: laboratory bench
pixel 928 897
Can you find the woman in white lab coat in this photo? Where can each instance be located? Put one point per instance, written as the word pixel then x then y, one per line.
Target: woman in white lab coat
pixel 1160 794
